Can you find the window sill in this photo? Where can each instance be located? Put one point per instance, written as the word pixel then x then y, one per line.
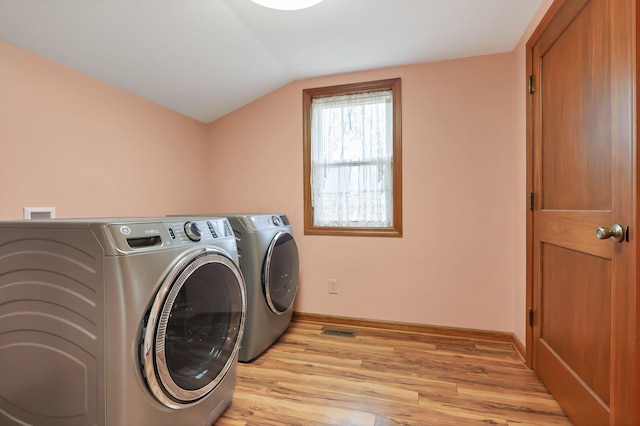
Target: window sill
pixel 353 231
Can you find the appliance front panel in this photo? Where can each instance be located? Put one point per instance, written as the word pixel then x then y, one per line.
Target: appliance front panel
pixel 194 328
pixel 280 273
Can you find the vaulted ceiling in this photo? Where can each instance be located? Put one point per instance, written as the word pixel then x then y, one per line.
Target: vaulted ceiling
pixel 205 58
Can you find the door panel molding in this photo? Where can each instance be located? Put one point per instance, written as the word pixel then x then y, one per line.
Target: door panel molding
pixel 574 230
pixel 582 401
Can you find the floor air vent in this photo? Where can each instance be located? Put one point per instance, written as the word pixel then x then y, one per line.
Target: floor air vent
pixel 340 333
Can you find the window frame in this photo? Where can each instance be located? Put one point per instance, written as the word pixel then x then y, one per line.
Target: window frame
pixel 308 95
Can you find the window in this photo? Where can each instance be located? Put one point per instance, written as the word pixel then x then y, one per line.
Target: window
pixel 352 159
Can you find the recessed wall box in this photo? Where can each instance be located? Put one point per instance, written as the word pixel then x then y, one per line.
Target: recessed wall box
pixel 39 212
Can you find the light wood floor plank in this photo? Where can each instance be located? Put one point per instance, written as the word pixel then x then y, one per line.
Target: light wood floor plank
pixel 386 377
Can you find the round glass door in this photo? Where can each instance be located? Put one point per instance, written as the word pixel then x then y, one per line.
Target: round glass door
pixel 194 329
pixel 280 273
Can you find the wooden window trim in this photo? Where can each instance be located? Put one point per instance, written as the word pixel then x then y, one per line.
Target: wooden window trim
pixel 347 89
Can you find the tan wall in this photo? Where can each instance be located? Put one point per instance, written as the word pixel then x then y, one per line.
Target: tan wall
pixel 88 149
pixel 455 263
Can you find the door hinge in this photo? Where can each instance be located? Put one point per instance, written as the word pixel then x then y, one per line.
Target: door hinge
pixel 530 84
pixel 530 201
pixel 530 317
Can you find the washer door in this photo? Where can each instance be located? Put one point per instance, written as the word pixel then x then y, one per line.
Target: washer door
pixel 194 328
pixel 280 273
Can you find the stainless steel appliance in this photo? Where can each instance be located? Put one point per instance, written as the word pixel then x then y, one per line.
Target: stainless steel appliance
pixel 118 321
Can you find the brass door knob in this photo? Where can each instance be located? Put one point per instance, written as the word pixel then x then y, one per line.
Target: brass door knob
pixel 616 232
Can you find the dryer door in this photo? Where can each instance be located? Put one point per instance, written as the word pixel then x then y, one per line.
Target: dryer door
pixel 280 273
pixel 194 328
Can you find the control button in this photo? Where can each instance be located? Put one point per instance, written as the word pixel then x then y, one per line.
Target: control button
pixel 193 231
pixel 212 229
pixel 173 235
pixel 275 220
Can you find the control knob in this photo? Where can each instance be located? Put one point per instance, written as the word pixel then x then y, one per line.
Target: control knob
pixel 193 231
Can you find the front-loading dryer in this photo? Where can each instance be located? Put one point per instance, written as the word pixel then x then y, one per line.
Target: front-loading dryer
pixel 269 261
pixel 115 322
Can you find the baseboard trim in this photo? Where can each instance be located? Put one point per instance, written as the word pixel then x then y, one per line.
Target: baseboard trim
pixel 468 333
pixel 519 347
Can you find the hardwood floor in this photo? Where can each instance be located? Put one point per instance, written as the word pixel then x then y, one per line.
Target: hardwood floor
pixel 384 377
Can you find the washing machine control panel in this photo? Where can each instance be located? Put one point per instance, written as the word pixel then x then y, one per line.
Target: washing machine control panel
pixel 148 235
pixel 199 230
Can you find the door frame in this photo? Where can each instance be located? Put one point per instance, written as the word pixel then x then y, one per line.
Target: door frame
pixel 625 355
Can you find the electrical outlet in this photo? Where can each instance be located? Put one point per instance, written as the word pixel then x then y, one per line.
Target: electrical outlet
pixel 333 286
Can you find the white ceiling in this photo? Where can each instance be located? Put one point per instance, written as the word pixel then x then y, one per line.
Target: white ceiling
pixel 205 58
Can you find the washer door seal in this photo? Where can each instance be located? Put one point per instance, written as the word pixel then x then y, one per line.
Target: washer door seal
pixel 194 328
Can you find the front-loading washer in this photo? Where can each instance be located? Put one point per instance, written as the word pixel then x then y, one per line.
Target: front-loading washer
pixel 269 261
pixel 115 322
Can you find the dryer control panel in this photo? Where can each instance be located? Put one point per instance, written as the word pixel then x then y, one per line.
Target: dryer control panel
pixel 265 221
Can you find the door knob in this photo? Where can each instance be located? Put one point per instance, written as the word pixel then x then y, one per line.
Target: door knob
pixel 616 232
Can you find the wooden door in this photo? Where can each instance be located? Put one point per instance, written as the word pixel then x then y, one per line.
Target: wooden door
pixel 582 140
